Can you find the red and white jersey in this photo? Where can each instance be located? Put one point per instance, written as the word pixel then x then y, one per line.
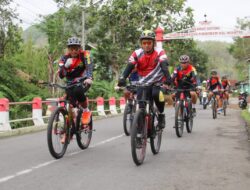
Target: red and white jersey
pixel 148 65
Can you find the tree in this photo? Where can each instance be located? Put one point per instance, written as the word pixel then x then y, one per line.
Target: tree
pixel 240 49
pixel 10 33
pixel 121 22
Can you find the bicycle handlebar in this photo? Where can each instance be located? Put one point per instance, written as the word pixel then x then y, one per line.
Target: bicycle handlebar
pixel 70 85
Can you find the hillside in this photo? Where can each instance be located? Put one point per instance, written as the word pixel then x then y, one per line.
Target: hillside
pixel 38 37
pixel 219 58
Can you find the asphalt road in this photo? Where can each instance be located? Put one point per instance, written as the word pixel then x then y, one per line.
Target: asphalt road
pixel 215 156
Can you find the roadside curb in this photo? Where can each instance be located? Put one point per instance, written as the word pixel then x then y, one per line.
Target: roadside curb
pixel 33 129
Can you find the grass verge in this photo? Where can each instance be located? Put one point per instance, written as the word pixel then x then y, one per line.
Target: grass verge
pixel 246 116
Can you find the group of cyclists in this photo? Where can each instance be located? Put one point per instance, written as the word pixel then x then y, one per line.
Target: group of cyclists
pixel 148 64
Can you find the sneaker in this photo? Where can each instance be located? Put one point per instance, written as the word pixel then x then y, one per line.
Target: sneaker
pixel 219 110
pixel 86 116
pixel 161 121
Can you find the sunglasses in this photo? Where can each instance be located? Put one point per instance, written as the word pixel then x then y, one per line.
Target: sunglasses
pixel 73 48
pixel 147 43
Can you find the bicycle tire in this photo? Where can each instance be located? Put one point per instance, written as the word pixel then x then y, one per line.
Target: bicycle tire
pixel 138 138
pixel 83 132
pixel 225 107
pixel 204 103
pixel 127 119
pixel 179 119
pixel 189 121
pixel 156 135
pixel 214 108
pixel 55 132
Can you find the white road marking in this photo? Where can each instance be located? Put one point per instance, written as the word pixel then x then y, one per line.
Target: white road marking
pixel 26 171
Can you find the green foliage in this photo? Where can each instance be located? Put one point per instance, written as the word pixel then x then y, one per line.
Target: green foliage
pixel 121 22
pixel 10 33
pixel 219 58
pixel 103 89
pixel 240 49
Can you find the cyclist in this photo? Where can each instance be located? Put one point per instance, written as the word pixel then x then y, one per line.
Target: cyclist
pixel 214 83
pixel 77 63
pixel 184 77
pixel 226 86
pixel 152 67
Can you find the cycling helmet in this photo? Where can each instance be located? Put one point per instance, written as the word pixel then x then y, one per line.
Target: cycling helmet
pixel 204 82
pixel 74 41
pixel 147 34
pixel 184 59
pixel 213 72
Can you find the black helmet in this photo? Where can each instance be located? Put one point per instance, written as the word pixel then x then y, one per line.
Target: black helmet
pixel 224 77
pixel 213 72
pixel 184 59
pixel 74 41
pixel 147 34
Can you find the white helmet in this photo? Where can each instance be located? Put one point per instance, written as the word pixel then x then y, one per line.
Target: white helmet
pixel 74 41
pixel 184 59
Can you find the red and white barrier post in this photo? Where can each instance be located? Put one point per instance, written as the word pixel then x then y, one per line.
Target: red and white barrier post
pixel 112 105
pixel 37 111
pixel 4 115
pixel 100 106
pixel 122 104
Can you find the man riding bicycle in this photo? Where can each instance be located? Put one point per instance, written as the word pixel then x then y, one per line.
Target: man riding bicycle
pixel 214 83
pixel 184 77
pixel 77 63
pixel 152 66
pixel 226 86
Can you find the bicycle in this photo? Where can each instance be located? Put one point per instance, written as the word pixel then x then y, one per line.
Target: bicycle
pixel 64 120
pixel 183 112
pixel 214 103
pixel 144 126
pixel 129 110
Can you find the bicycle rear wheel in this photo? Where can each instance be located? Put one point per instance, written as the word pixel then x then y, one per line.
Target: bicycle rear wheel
pixel 83 132
pixel 127 119
pixel 156 135
pixel 179 119
pixel 57 128
pixel 139 137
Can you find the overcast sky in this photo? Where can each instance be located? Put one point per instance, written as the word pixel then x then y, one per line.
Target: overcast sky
pixel 221 12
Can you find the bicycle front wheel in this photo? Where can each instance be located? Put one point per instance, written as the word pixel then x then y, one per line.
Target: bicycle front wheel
pixel 156 135
pixel 127 119
pixel 214 109
pixel 179 119
pixel 189 122
pixel 57 129
pixel 83 132
pixel 139 137
pixel 225 107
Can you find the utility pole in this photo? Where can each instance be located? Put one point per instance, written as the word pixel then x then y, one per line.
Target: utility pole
pixel 83 28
